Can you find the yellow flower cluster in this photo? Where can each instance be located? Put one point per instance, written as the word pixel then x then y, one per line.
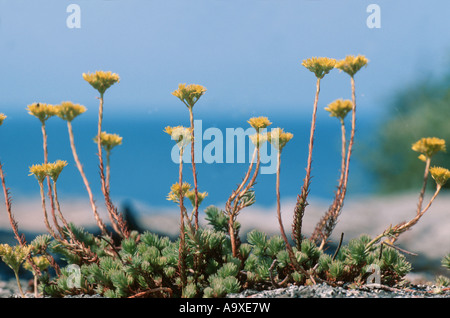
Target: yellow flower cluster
pixel 39 171
pixel 180 134
pixel 101 80
pixel 429 146
pixel 68 110
pixel 40 261
pixel 339 108
pixel 351 64
pixel 2 118
pixel 14 256
pixel 440 175
pixel 320 66
pixel 189 94
pixel 174 194
pixel 108 141
pixel 259 122
pixel 258 139
pixel 52 170
pixel 42 111
pixel 278 138
pixel 200 195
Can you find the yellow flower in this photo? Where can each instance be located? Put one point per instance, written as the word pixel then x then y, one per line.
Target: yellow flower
pixel 351 64
pixel 429 146
pixel 14 256
pixel 440 175
pixel 189 94
pixel 422 158
pixel 109 141
pixel 278 138
pixel 259 122
pixel 320 66
pixel 39 171
pixel 180 134
pixel 40 261
pixel 258 139
pixel 2 118
pixel 54 169
pixel 339 108
pixel 200 196
pixel 68 110
pixel 42 111
pixel 101 80
pixel 174 194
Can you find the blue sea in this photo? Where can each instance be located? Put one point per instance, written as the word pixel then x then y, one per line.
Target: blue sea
pixel 142 169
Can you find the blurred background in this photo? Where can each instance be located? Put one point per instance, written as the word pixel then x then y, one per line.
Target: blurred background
pixel 248 55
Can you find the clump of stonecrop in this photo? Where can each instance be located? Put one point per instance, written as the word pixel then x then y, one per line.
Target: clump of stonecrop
pixel 211 260
pixel 146 264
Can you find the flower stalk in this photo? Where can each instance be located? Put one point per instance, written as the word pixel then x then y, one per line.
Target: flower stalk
pixel 101 81
pixel 108 141
pixel 320 66
pixel 427 147
pixel 339 109
pixel 189 95
pixel 350 65
pixel 441 176
pixel 68 112
pixel 182 137
pixel 242 196
pixel 43 112
pixel 278 138
pixel 14 257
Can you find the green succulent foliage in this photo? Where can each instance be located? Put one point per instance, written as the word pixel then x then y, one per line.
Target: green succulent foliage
pixel 336 270
pixel 248 198
pixel 221 286
pixel 354 263
pixel 324 263
pixel 309 254
pixel 147 261
pixel 443 281
pixel 258 239
pixel 446 261
pixel 41 243
pixel 216 218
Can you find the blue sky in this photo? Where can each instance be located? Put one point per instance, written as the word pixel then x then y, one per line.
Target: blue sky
pixel 246 53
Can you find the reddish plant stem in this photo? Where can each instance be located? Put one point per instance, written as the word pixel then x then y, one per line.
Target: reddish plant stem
pixel 280 221
pixel 19 237
pixel 231 212
pixel 108 169
pixel 350 146
pixel 395 231
pixel 247 175
pixel 99 221
pixel 424 186
pixel 236 208
pixel 61 216
pixel 49 184
pixel 117 221
pixel 194 171
pixel 328 221
pixel 47 224
pixel 302 198
pixel 182 248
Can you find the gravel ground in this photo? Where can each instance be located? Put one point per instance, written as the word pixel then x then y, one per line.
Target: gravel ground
pixel 8 289
pixel 326 291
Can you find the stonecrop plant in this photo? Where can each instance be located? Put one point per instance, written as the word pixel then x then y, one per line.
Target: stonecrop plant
pixel 212 260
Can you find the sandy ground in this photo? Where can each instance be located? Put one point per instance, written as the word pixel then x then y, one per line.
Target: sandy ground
pixel 430 238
